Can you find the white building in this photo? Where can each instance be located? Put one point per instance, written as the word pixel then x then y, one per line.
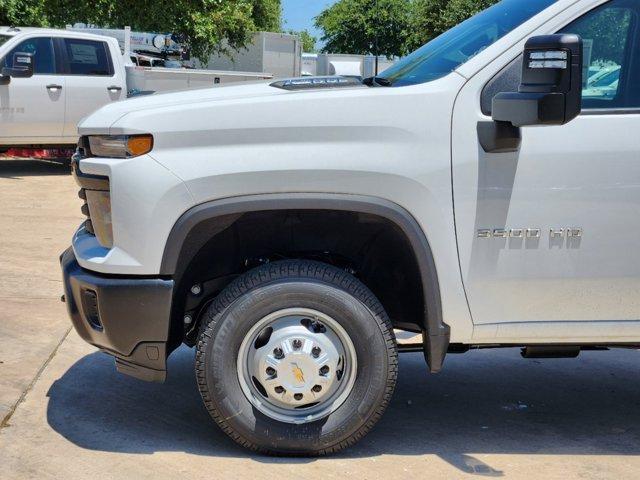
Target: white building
pixel 278 54
pixel 362 66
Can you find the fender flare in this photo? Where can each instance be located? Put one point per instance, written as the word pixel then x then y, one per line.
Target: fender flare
pixel 436 333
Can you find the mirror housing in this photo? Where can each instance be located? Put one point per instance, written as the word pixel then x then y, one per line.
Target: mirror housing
pixel 550 92
pixel 22 66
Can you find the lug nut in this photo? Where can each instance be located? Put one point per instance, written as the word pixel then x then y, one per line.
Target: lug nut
pixel 315 351
pixel 297 344
pixel 196 289
pixel 279 389
pixel 324 370
pixel 317 388
pixel 187 319
pixel 298 396
pixel 278 353
pixel 270 371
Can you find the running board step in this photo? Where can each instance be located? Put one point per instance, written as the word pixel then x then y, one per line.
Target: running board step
pixel 408 341
pixel 410 347
pixel 550 351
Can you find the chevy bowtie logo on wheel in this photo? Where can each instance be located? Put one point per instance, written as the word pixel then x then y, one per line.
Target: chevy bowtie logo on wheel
pixel 297 373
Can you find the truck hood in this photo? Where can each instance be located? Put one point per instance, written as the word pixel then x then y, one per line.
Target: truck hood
pixel 101 121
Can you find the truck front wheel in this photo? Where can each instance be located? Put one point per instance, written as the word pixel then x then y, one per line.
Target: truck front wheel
pixel 296 357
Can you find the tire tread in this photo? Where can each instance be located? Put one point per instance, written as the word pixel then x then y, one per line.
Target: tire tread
pixel 281 270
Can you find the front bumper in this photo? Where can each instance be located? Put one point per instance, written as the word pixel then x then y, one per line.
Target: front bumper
pixel 127 317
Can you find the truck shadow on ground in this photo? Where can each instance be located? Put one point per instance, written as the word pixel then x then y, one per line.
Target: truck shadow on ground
pixel 17 168
pixel 484 402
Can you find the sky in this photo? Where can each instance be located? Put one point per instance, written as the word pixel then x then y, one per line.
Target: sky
pixel 299 14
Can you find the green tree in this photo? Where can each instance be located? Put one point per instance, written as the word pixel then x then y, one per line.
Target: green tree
pixel 426 21
pixel 308 40
pixel 366 27
pixel 430 18
pixel 20 12
pixel 458 11
pixel 203 24
pixel 267 15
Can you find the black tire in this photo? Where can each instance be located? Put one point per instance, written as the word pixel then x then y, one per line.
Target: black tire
pixel 287 284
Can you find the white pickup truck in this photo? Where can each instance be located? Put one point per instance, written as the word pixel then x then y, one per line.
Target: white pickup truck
pixel 471 193
pixel 51 79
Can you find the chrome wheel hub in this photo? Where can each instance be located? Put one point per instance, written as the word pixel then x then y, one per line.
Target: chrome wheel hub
pixel 297 365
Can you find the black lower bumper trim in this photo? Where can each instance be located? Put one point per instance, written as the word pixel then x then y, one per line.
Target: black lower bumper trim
pixel 142 354
pixel 127 317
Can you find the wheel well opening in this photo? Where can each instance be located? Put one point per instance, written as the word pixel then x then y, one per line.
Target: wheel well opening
pixel 371 247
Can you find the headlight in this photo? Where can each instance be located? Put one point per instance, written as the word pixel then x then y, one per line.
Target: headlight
pixel 120 146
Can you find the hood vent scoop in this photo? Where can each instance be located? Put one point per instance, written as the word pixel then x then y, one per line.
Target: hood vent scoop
pixel 314 83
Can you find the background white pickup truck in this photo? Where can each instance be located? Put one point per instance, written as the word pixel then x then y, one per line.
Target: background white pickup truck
pixel 73 75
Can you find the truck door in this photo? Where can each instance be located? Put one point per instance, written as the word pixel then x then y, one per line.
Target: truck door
pixel 549 233
pixel 32 109
pixel 92 79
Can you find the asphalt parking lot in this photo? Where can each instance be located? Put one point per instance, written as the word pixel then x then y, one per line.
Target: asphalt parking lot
pixel 66 413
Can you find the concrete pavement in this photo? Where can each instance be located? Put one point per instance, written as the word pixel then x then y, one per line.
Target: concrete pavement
pixel 38 214
pixel 490 413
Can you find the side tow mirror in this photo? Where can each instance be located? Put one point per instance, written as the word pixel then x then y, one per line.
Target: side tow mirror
pixel 550 92
pixel 22 66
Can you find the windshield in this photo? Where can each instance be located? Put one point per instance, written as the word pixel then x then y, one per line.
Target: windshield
pixel 447 52
pixel 4 38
